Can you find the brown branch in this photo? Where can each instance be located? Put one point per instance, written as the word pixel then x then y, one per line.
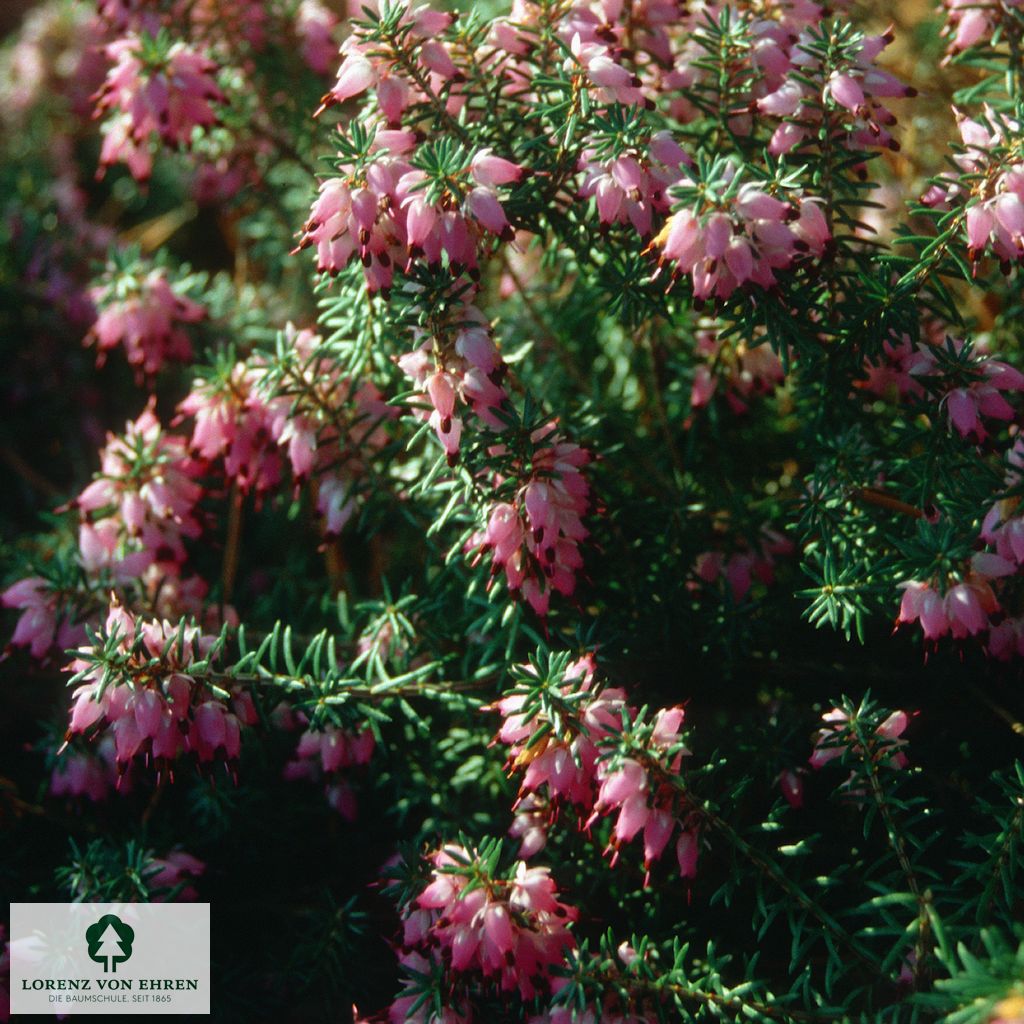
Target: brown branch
pixel 870 496
pixel 232 546
pixel 29 473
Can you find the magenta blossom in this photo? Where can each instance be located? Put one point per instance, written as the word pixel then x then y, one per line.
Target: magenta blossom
pixel 514 931
pixel 155 709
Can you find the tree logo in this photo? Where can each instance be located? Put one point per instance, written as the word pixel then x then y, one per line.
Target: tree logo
pixel 110 942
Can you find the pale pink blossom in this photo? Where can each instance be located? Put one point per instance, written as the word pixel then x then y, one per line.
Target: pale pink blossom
pixel 168 102
pixel 43 625
pixel 836 737
pixel 742 241
pixel 146 317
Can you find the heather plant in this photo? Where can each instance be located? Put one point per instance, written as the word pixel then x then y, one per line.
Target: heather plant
pixel 520 507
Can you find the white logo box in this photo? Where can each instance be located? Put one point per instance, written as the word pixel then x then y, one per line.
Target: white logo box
pixel 110 958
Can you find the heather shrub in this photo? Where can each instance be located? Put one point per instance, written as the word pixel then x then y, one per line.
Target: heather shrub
pixel 520 509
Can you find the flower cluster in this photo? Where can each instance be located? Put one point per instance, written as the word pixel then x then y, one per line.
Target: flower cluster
pixel 741 568
pixel 586 746
pixel 725 239
pixel 994 191
pixel 155 93
pixel 235 423
pixel 736 370
pixel 896 373
pixel 983 396
pixel 44 624
pixel 562 762
pixel 838 736
pixel 770 36
pixel 594 61
pixel 631 188
pixel 512 930
pixel 134 681
pixel 387 212
pixel 854 85
pixel 962 611
pixel 321 423
pixel 141 507
pixel 366 64
pixel 979 601
pixel 641 788
pixel 973 22
pixel 146 316
pixel 327 752
pixel 88 773
pixel 534 537
pixel 617 56
pixel 463 370
pixel 972 385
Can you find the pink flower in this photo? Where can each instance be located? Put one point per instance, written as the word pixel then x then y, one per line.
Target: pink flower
pixel 792 785
pixel 168 101
pixel 327 752
pixel 846 91
pixel 535 538
pixel 315 25
pixel 141 507
pixel 970 22
pixel 150 704
pixel 514 930
pixel 490 170
pixel 530 825
pixel 631 189
pixel 43 624
pixel 995 217
pixel 1006 640
pixel 177 868
pixel 145 317
pixel 611 81
pixel 742 241
pixel 90 773
pixel 838 736
pixel 966 405
pixel 687 851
